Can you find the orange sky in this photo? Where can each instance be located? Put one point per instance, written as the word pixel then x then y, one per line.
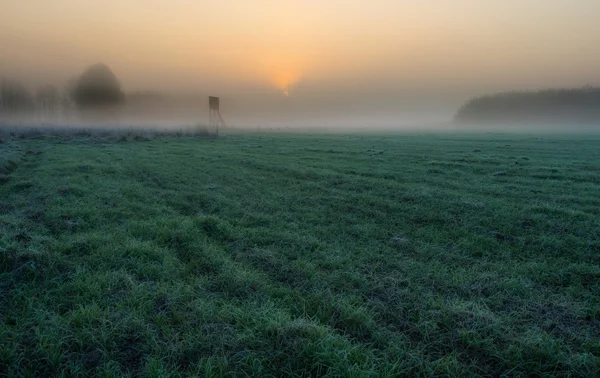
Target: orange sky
pixel 430 49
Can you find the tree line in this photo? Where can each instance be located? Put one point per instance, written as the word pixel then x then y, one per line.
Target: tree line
pixel 96 87
pixel 577 105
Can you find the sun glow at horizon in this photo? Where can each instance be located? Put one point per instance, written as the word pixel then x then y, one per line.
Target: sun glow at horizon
pixel 453 45
pixel 282 78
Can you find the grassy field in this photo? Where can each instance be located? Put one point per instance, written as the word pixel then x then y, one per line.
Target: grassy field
pixel 300 255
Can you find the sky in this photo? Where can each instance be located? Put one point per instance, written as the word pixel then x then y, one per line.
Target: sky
pixel 337 59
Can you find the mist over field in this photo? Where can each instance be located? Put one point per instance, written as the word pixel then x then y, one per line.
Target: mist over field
pixel 395 65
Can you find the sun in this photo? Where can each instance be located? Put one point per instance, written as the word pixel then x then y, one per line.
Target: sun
pixel 283 69
pixel 286 90
pixel 284 79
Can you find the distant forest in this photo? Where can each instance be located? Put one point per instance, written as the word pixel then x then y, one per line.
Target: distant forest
pixel 579 105
pixel 96 87
pixel 93 96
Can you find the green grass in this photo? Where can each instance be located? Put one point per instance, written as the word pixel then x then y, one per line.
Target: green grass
pixel 300 255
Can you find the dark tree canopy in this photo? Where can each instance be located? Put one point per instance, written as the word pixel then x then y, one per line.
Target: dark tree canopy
pixel 98 87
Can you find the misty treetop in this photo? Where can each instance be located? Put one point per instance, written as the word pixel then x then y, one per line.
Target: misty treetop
pixel 579 105
pixel 98 86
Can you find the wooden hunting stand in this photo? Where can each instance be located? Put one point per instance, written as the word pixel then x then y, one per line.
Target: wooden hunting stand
pixel 215 120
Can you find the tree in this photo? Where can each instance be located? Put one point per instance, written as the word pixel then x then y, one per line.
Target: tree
pixel 47 101
pixel 47 95
pixel 14 97
pixel 98 87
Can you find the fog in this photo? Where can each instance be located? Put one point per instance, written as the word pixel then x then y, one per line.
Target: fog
pixel 335 64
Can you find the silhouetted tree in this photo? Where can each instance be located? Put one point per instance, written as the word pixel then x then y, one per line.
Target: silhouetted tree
pixel 67 98
pixel 47 101
pixel 14 97
pixel 47 95
pixel 97 87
